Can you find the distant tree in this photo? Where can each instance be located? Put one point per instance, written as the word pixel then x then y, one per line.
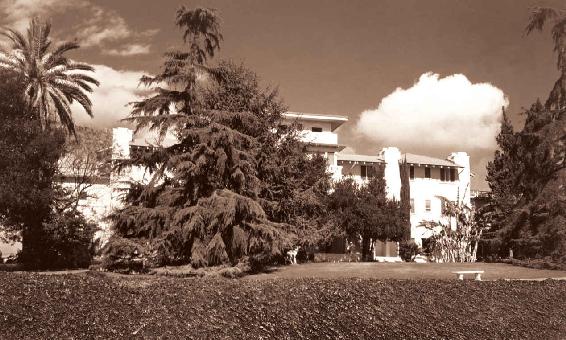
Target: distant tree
pixel 365 212
pixel 204 203
pixel 52 81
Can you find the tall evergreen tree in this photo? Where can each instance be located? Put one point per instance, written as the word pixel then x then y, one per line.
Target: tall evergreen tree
pixel 205 203
pixel 527 179
pixel 500 175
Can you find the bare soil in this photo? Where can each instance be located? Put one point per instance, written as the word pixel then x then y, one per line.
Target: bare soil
pixel 108 306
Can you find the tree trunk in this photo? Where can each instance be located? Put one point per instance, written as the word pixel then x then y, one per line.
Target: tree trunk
pixel 366 243
pixel 32 244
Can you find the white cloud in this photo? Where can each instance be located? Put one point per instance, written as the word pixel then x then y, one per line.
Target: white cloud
pixel 17 13
pixel 102 28
pixel 133 49
pixel 437 113
pixel 110 100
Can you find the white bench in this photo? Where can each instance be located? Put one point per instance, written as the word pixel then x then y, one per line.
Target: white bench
pixel 461 274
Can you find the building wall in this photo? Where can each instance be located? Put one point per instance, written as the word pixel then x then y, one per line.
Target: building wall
pixel 423 189
pixel 327 136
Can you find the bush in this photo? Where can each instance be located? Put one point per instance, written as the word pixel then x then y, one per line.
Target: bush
pixel 408 250
pixel 125 256
pixel 67 242
pixel 490 249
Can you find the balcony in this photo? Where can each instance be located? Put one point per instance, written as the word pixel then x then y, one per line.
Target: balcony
pixel 325 137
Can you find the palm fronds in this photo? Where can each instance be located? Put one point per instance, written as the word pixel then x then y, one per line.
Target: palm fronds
pixel 52 81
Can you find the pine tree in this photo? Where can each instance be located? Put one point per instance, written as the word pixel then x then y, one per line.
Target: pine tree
pixel 500 175
pixel 215 195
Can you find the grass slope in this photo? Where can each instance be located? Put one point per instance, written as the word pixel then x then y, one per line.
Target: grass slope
pixel 96 305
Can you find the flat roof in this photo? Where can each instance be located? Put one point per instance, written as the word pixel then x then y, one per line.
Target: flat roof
pixel 335 120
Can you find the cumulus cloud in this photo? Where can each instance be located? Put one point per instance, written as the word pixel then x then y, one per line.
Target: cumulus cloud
pixel 437 114
pixel 110 100
pixel 103 28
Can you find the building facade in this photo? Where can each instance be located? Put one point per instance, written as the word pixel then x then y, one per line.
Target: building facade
pixel 432 180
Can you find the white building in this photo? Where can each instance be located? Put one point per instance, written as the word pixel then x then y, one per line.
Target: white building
pixel 430 178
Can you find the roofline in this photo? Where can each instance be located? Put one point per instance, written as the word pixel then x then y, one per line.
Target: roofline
pixel 338 147
pixel 452 165
pixel 435 165
pixel 336 120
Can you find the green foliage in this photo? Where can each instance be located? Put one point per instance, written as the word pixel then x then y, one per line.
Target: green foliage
pixel 67 241
pixel 125 255
pixel 363 211
pixel 527 177
pixel 456 238
pixel 218 195
pixel 52 81
pixel 408 250
pixel 27 168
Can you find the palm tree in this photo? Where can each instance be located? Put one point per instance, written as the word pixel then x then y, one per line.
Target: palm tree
pixel 51 81
pixel 539 17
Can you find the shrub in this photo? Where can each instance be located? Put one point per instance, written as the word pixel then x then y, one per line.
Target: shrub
pixel 125 256
pixel 67 242
pixel 408 250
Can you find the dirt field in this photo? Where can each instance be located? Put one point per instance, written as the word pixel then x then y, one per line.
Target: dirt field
pixel 108 306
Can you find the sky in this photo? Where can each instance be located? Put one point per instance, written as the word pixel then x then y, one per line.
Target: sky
pixel 429 77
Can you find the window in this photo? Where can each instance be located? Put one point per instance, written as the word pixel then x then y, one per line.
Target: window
pixel 453 176
pixel 412 172
pixel 442 177
pixel 316 129
pixel 412 205
pixel 427 205
pixel 427 172
pixel 367 171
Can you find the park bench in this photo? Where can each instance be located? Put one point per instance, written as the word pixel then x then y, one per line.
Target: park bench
pixel 461 274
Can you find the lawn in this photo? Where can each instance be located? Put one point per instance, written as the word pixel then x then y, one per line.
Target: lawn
pixel 402 271
pixel 99 305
